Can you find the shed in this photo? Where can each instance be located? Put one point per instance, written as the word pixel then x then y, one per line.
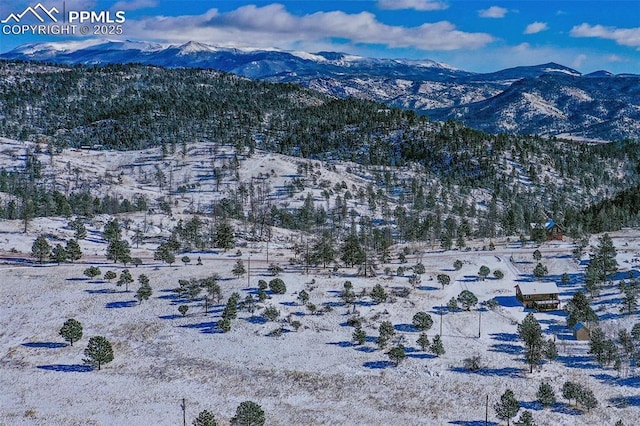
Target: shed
pixel 542 296
pixel 581 332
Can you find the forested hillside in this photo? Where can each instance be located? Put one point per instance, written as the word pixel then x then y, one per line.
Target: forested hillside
pixel 424 172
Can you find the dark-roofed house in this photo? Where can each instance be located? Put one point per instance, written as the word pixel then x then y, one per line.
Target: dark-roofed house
pixel 541 296
pixel 547 231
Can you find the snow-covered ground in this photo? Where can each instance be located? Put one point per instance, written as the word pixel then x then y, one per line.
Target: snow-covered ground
pixel 314 375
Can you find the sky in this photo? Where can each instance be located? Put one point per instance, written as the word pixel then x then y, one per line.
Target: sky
pixel 473 35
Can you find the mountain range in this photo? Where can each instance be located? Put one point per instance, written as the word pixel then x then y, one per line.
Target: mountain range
pixel 548 99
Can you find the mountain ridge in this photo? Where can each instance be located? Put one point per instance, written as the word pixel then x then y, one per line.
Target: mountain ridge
pixel 428 87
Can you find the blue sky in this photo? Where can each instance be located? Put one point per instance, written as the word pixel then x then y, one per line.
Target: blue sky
pixel 480 36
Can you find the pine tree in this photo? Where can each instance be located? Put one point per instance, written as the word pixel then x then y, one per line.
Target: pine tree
pixel 537 255
pixel 530 332
pixel 378 294
pixel 58 254
pixel 98 352
pixel 112 231
pixel 540 270
pixel 386 332
pixel 144 292
pixel 109 275
pixel 239 269
pixel 436 346
pixel 303 297
pixel 606 256
pixel 73 250
pixel 629 300
pixel 525 419
pixel 586 398
pixel 467 299
pixel 248 413
pixel 545 395
pixel 205 418
pixel 119 251
pixel 507 407
pixel 483 272
pixel 423 342
pixel 359 336
pixel 570 390
pixel 444 279
pixel 352 252
pixel 71 331
pixel 578 310
pixel 422 321
pixel 397 354
pixel 40 248
pixel 125 278
pixel 224 236
pixel 92 272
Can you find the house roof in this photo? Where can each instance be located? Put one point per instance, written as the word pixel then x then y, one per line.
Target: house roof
pixel 538 288
pixel 548 225
pixel 579 326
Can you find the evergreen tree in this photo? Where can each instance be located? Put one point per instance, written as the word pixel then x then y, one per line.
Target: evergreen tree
pixel 58 254
pixel 525 419
pixel 530 332
pixel 537 255
pixel 545 395
pixel 629 300
pixel 444 280
pixel 80 229
pixel 422 321
pixel 98 352
pixel 423 342
pixel 457 265
pixel 606 256
pixel 586 398
pixel 386 332
pixel 436 346
pixel 507 407
pixel 397 354
pixel 540 270
pixel 239 269
pixel 119 251
pixel 359 336
pixel 483 272
pixel 467 299
pixel 112 231
pixel 144 292
pixel 40 248
pixel 125 278
pixel 570 390
pixel 109 275
pixel 452 304
pixel 277 286
pixel 185 260
pixel 578 310
pixel 224 236
pixel 71 331
pixel 165 254
pixel 352 252
pixel 183 309
pixel 205 418
pixel 635 332
pixel 73 250
pixel 248 413
pixel 92 272
pixel 378 294
pixel 323 251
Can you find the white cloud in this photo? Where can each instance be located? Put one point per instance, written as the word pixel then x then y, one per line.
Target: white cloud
pixel 578 61
pixel 536 27
pixel 274 26
pixel 134 4
pixel 622 36
pixel 421 5
pixel 493 12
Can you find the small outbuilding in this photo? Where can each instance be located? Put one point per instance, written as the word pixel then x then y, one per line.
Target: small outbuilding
pixel 581 332
pixel 541 296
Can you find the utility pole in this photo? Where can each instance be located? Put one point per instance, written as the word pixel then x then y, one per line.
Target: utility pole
pixel 441 309
pixel 184 412
pixel 479 320
pixel 486 412
pixel 249 272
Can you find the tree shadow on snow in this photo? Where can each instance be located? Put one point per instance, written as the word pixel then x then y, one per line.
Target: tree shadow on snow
pixel 256 320
pixel 122 304
pixel 209 327
pixel 504 337
pixel 405 327
pixel 491 372
pixel 48 345
pixel 101 291
pixel 567 409
pixel 170 317
pixel 508 349
pixel 73 368
pixel 625 401
pixel 584 362
pixel 633 382
pixel 342 344
pixel 427 288
pixel 378 365
pixel 365 349
pixel 472 423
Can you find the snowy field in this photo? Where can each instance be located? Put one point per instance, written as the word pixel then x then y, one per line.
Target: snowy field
pixel 313 376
